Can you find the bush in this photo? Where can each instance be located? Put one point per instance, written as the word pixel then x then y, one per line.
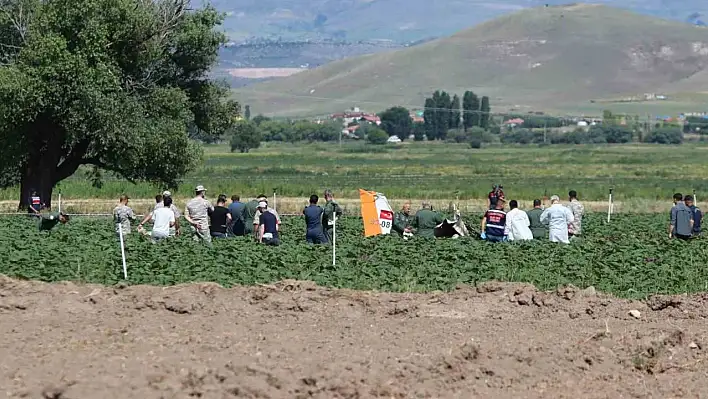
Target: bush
pixel 476 143
pixel 376 136
pixel 457 136
pixel 665 135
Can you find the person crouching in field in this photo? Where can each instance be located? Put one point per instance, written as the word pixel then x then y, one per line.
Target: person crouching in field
pixel 163 219
pixel 48 221
pixel 267 226
pixel 123 215
pixel 494 222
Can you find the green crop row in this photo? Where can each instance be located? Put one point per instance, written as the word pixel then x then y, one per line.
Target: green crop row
pixel 631 257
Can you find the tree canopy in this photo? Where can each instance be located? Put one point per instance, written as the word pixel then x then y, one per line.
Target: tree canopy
pixel 120 85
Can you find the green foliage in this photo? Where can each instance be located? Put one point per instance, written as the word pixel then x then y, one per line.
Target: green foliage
pixel 396 121
pixel 665 135
pixel 293 132
pixel 634 262
pixel 245 135
pixel 485 113
pixel 376 136
pixel 247 113
pixel 455 114
pixel 258 119
pixel 419 131
pixel 115 84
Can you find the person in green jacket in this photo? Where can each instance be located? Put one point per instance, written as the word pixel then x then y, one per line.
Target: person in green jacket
pixel 425 221
pixel 538 229
pixel 331 208
pixel 48 221
pixel 248 212
pixel 402 220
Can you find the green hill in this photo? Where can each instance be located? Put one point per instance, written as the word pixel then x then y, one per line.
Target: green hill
pixel 548 58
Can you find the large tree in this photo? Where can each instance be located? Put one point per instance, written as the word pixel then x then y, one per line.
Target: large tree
pixel 117 85
pixel 455 112
pixel 485 113
pixel 470 110
pixel 396 121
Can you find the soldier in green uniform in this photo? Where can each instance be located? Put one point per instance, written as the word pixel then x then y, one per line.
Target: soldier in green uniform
pixel 249 212
pixel 331 208
pixel 425 221
pixel 402 220
pixel 538 229
pixel 48 221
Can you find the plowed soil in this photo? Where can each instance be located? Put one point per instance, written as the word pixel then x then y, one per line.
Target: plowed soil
pixel 296 340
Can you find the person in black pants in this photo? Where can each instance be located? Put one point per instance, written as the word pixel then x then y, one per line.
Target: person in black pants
pixel 313 219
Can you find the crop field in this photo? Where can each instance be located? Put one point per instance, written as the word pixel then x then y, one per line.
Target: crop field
pixel 629 258
pixel 430 171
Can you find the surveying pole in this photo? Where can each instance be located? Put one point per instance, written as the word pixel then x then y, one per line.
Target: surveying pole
pixel 695 201
pixel 609 207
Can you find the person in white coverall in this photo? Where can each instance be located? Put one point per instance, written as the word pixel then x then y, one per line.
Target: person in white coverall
pixel 517 224
pixel 557 217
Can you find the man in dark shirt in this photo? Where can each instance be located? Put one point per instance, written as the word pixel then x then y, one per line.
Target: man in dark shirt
pixel 267 226
pixel 697 215
pixel 35 204
pixel 313 219
pixel 681 225
pixel 538 229
pixel 237 227
pixel 494 221
pixel 494 195
pixel 219 218
pixel 48 221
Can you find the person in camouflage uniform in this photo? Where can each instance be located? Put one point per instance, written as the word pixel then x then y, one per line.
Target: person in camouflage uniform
pixel 123 215
pixel 331 209
pixel 248 215
pixel 425 221
pixel 578 210
pixel 402 220
pixel 197 214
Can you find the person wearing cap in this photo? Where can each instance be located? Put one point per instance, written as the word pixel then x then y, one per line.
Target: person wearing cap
pixel 494 223
pixel 48 221
pixel 494 196
pixel 267 226
pixel 575 206
pixel 557 217
pixel 331 210
pixel 163 219
pixel 220 218
pixel 517 223
pixel 123 215
pixel 538 229
pixel 197 214
pixel 425 221
pixel 257 215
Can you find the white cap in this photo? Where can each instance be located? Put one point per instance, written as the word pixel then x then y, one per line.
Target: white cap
pixel 555 198
pixel 166 193
pixel 262 204
pixel 199 188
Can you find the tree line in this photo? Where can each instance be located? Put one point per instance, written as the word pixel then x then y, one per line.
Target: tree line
pixel 443 113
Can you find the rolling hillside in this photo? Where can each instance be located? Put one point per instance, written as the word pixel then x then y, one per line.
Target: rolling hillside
pixel 542 58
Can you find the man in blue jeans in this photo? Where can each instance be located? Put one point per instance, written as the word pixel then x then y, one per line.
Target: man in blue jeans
pixel 493 223
pixel 313 220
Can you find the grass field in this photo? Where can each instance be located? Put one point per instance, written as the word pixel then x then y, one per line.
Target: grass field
pixel 631 262
pixel 640 174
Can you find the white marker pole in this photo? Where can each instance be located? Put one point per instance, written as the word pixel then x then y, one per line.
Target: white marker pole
pixel 59 201
pixel 695 201
pixel 122 251
pixel 609 207
pixel 275 203
pixel 334 239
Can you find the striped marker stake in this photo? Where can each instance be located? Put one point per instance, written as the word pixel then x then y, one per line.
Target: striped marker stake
pixel 122 252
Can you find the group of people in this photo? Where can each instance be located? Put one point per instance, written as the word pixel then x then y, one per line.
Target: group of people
pixel 238 218
pixel 558 223
pixel 685 217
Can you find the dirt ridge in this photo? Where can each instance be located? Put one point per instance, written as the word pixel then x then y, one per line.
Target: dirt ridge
pixel 294 339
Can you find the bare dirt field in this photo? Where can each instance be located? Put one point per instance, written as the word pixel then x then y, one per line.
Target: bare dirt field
pixel 296 340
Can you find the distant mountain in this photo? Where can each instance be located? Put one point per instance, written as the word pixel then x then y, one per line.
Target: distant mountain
pixel 400 21
pixel 536 58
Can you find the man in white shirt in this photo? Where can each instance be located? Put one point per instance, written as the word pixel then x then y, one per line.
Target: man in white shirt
pixel 517 224
pixel 558 217
pixel 163 219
